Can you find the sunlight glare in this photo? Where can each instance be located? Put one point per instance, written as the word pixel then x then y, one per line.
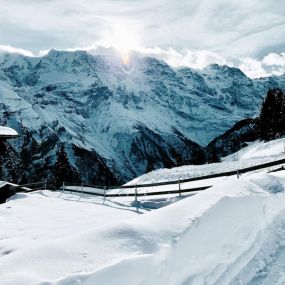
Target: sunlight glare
pixel 122 38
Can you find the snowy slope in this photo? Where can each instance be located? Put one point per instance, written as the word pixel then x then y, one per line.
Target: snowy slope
pixel 119 119
pixel 232 233
pixel 256 153
pixel 274 149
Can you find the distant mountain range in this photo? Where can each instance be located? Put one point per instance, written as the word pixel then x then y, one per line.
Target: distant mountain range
pixel 116 121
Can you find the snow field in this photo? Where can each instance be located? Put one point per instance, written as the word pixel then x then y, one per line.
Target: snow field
pixel 63 239
pixel 215 235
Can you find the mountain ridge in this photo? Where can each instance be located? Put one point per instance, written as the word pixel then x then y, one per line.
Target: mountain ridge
pixel 133 118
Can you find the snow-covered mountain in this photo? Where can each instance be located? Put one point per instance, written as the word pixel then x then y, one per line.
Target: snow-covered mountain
pixel 117 121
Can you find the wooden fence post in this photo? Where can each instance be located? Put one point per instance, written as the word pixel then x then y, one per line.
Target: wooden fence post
pixel 238 174
pixel 136 193
pixel 63 186
pixel 179 188
pixel 45 185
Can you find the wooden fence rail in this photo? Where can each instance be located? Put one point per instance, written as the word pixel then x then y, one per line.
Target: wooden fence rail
pixel 42 185
pixel 180 181
pixel 221 174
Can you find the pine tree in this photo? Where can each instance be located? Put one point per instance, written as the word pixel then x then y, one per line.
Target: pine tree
pixel 63 169
pixel 271 122
pixel 213 157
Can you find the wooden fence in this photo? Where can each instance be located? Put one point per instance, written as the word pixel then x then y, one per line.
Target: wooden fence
pixel 104 190
pixel 178 182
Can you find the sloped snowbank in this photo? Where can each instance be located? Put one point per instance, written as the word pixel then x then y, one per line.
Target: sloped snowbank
pixel 208 238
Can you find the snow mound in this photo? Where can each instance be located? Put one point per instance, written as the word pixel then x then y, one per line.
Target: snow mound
pixel 269 183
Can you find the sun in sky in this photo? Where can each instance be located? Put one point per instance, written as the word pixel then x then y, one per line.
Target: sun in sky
pixel 123 38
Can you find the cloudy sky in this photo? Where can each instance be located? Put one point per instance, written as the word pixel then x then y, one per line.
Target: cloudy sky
pixel 249 34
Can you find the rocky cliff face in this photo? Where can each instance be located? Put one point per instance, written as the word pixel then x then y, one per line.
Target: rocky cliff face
pixel 116 121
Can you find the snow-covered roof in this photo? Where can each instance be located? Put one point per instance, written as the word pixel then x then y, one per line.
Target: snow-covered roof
pixel 6 132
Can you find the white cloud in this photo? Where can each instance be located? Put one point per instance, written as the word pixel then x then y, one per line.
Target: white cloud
pixel 43 52
pixel 228 28
pixel 271 64
pixel 194 59
pixel 252 68
pixel 10 49
pixel 274 59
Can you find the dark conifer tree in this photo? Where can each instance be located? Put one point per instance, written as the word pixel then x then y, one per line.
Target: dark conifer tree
pixel 63 170
pixel 271 122
pixel 213 157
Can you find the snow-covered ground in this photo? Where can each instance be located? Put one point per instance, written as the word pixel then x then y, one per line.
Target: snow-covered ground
pixel 274 149
pixel 232 233
pixel 7 132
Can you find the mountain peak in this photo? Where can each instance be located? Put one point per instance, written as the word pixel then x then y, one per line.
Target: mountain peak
pixel 67 55
pixel 216 69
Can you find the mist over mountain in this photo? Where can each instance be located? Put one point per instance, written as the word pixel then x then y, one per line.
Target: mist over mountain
pixel 116 121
